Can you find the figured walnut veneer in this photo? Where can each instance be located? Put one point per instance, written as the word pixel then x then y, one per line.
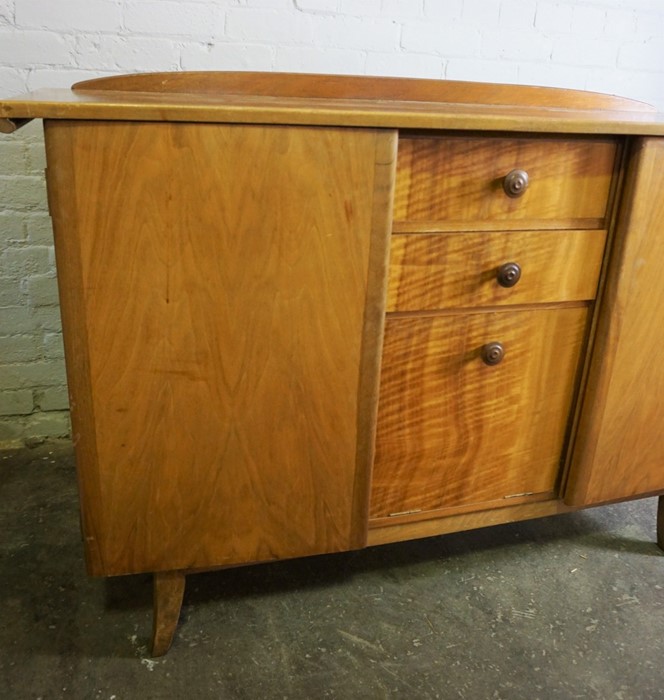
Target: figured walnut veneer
pixel 457 270
pixel 454 431
pixel 457 181
pixel 276 290
pixel 223 337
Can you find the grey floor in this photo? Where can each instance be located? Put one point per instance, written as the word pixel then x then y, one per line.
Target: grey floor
pixel 565 607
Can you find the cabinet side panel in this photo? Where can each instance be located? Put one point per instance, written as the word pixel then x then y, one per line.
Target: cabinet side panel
pixel 226 290
pixel 64 206
pixel 619 449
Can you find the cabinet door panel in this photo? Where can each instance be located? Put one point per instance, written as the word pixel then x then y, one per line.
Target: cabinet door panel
pixel 454 431
pixel 222 292
pixel 619 450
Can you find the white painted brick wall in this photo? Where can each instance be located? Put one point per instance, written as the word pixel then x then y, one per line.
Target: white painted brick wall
pixel 605 45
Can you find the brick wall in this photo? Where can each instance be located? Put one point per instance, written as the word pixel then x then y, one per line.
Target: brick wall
pixel 606 45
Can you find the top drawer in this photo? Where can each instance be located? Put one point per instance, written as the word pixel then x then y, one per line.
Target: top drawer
pixel 457 182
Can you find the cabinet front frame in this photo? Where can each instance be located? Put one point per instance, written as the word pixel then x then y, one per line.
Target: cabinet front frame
pixel 406 525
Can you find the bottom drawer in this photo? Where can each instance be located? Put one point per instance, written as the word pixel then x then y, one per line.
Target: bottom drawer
pixel 453 430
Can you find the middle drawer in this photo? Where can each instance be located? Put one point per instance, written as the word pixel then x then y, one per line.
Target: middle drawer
pixel 448 270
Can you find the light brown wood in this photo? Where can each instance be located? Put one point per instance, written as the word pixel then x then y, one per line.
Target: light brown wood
pixel 515 225
pixel 324 101
pixel 9 126
pixel 62 184
pixel 660 522
pixel 612 217
pixel 400 530
pixel 224 312
pixel 452 511
pixel 374 325
pixel 223 243
pixel 619 450
pixel 452 430
pixel 439 271
pixel 358 87
pixel 168 594
pixel 459 179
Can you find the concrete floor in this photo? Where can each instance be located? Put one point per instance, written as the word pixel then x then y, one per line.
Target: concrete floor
pixel 565 607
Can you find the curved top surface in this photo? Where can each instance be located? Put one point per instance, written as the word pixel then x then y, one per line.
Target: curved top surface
pixel 314 86
pixel 334 100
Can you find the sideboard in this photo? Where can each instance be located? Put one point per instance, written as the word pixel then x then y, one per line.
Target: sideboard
pixel 308 314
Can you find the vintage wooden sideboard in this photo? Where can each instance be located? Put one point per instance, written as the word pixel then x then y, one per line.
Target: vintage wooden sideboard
pixel 307 314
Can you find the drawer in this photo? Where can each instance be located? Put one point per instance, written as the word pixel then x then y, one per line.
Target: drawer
pixel 453 430
pixel 459 182
pixel 446 270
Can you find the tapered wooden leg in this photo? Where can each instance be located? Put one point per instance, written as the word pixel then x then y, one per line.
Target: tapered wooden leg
pixel 660 522
pixel 168 592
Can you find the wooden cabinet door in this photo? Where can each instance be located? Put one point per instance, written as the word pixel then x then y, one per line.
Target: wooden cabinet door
pixel 222 294
pixel 619 449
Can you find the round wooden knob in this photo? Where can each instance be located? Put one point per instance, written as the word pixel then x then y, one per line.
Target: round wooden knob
pixel 508 274
pixel 492 353
pixel 516 183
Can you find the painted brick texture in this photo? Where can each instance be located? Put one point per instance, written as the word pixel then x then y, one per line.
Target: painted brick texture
pixel 606 45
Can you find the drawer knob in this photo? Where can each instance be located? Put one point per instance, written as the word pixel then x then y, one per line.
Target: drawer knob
pixel 492 353
pixel 508 274
pixel 516 183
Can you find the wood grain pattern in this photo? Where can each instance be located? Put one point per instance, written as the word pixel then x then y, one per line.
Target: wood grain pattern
pixel 356 86
pixel 440 271
pixel 217 321
pixel 223 297
pixel 61 185
pixel 459 180
pixel 619 450
pixel 374 326
pixel 452 430
pixel 399 529
pixel 411 517
pixel 371 113
pixel 612 217
pixel 167 602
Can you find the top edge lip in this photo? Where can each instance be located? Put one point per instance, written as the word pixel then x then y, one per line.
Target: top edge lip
pixel 404 116
pixel 336 86
pixel 312 99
